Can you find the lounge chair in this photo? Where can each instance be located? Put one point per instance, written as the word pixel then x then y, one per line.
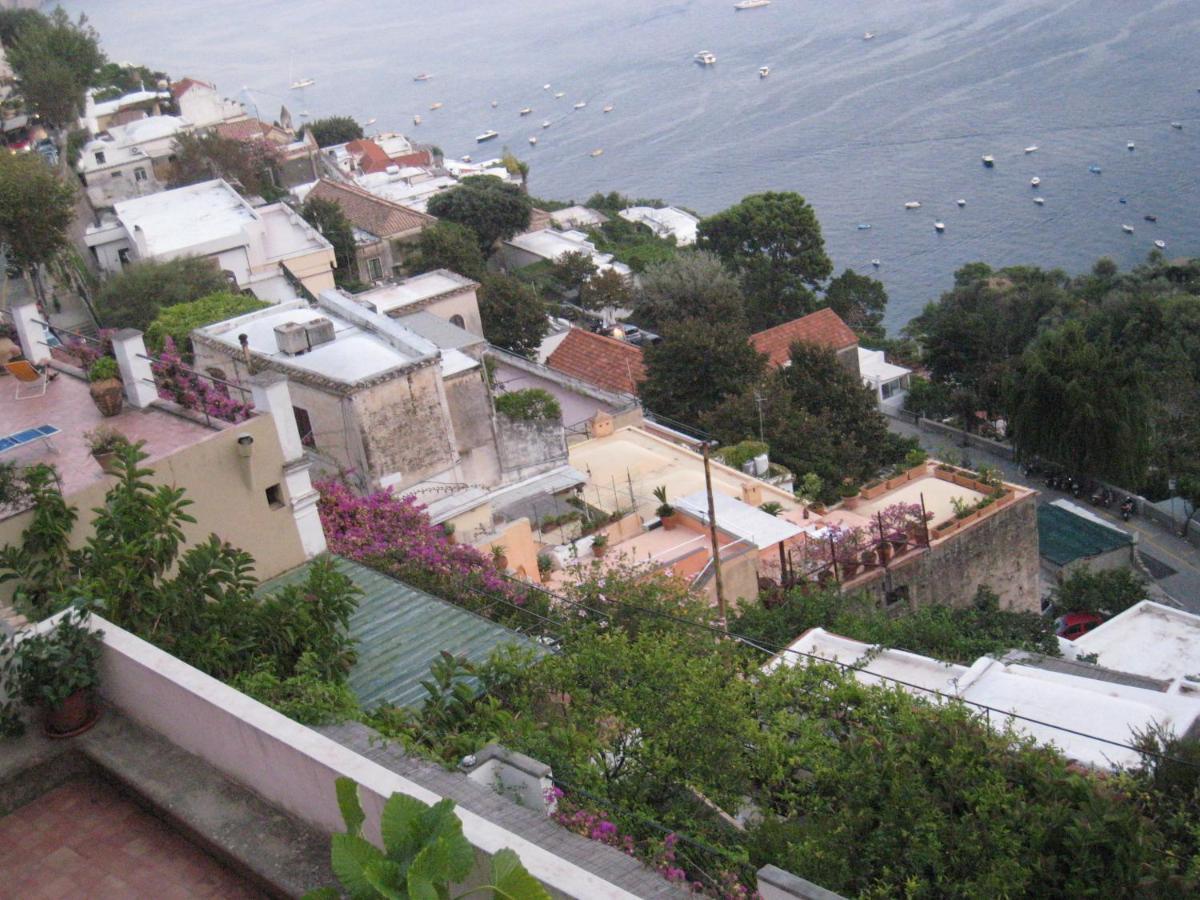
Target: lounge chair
pixel 31 379
pixel 28 436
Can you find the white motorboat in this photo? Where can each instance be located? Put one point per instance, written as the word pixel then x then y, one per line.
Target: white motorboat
pixel 424 76
pixel 487 136
pixel 1034 181
pixel 1128 229
pixel 1178 126
pixel 495 103
pixel 302 83
pixel 545 87
pixel 532 139
pixel 581 104
pixel 751 4
pixel 1095 170
pixel 989 160
pixel 868 35
pixel 370 121
pixel 961 202
pixel 435 106
pixel 864 226
pixel 1131 146
pixel 597 152
pixel 608 108
pixel 939 227
pixel 546 124
pixel 705 58
pixel 417 119
pixel 466 158
pixel 1161 245
pixel 913 204
pixel 876 263
pixel 764 71
pixel 559 95
pixel 1040 201
pixel 1032 148
pixel 526 110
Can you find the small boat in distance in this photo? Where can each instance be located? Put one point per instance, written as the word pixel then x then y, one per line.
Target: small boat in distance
pixel 434 106
pixel 989 161
pixel 1150 218
pixel 1128 229
pixel 302 83
pixel 1161 245
pixel 1178 126
pixel 424 76
pixel 751 4
pixel 526 110
pixel 868 35
pixel 370 121
pixel 864 226
pixel 581 104
pixel 546 123
pixel 961 203
pixel 1032 148
pixel 487 136
pixel 495 103
pixel 913 204
pixel 1095 170
pixel 1040 201
pixel 417 119
pixel 608 108
pixel 597 152
pixel 1131 146
pixel 876 263
pixel 764 71
pixel 1034 181
pixel 1122 200
pixel 559 95
pixel 466 158
pixel 939 227
pixel 532 139
pixel 705 58
pixel 545 87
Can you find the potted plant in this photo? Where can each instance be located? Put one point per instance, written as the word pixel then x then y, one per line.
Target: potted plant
pixel 849 495
pixel 498 557
pixel 105 443
pixel 448 530
pixel 599 544
pixel 107 391
pixel 771 507
pixel 665 511
pixel 57 672
pixel 545 564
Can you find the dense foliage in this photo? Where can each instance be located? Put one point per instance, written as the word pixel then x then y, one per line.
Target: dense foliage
pixel 1105 593
pixel 327 217
pixel 177 322
pixel 134 298
pixel 694 284
pixel 333 130
pixel 513 314
pixel 492 208
pixel 448 245
pixel 529 405
pixel 860 302
pixel 54 60
pixel 36 208
pixel 248 166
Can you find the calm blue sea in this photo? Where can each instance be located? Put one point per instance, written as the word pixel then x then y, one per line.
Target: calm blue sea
pixel 857 126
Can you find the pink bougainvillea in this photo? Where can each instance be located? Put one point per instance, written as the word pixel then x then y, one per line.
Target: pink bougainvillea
pixel 181 385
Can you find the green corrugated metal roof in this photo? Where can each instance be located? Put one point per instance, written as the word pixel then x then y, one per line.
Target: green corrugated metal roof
pixel 1065 537
pixel 400 631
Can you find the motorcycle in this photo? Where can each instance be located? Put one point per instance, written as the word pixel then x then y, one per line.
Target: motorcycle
pixel 1128 507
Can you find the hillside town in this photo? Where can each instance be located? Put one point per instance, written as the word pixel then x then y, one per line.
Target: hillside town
pixel 326 461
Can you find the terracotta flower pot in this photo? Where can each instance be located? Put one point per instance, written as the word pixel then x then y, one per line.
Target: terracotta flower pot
pixel 76 715
pixel 106 461
pixel 669 522
pixel 108 395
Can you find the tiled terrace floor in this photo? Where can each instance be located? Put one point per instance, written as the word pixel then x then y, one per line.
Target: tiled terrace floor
pixel 85 840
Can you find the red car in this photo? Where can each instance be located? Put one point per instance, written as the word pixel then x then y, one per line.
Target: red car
pixel 1075 624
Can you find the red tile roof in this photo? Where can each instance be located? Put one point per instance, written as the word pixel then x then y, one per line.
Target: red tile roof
pixel 380 217
pixel 370 155
pixel 603 361
pixel 183 85
pixel 252 129
pixel 824 328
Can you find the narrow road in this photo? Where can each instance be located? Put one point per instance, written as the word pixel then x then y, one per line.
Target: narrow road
pixel 1173 562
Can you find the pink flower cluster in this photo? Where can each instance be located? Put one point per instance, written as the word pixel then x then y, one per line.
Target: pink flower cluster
pixel 180 384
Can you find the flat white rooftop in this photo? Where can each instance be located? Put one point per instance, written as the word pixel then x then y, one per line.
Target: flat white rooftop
pixel 173 221
pixel 552 245
pixel 125 142
pixel 1148 639
pixel 413 290
pixel 680 224
pixel 874 367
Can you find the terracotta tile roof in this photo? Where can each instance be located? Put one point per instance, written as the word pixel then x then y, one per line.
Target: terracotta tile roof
pixel 370 155
pixel 603 361
pixel 183 85
pixel 252 129
pixel 824 328
pixel 367 212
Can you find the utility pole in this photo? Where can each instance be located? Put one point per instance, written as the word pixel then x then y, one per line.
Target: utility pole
pixel 716 546
pixel 758 400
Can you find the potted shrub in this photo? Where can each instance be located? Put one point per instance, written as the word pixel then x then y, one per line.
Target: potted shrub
pixel 809 493
pixel 665 511
pixel 105 443
pixel 107 391
pixel 498 557
pixel 849 495
pixel 57 672
pixel 599 544
pixel 545 564
pixel 448 530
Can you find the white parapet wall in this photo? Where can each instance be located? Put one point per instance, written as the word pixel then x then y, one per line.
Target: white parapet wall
pixel 285 763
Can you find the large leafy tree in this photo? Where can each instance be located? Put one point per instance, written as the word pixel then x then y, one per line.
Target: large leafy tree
pixel 573 269
pixel 1071 404
pixel 55 60
pixel 696 366
pixel 773 242
pixel 327 217
pixel 606 290
pixel 249 166
pixel 448 245
pixel 133 298
pixel 492 208
pixel 14 21
pixel 334 130
pixel 514 316
pixel 36 208
pixel 860 301
pixel 690 285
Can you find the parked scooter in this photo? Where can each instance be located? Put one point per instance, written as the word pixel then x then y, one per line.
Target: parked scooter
pixel 1128 508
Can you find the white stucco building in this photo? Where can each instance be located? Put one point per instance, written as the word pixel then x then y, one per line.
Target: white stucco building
pixel 888 381
pixel 548 244
pixel 131 160
pixel 667 221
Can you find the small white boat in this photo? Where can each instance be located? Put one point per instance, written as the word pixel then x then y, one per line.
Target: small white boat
pixel 751 4
pixel 939 227
pixel 302 83
pixel 466 158
pixel 961 202
pixel 370 121
pixel 608 108
pixel 533 139
pixel 597 152
pixel 876 263
pixel 1131 146
pixel 495 103
pixel 434 106
pixel 705 58
pixel 1032 148
pixel 1095 170
pixel 304 114
pixel 989 160
pixel 487 136
pixel 868 35
pixel 546 124
pixel 1040 201
pixel 913 204
pixel 416 120
pixel 1161 245
pixel 581 104
pixel 1034 181
pixel 424 76
pixel 864 226
pixel 545 87
pixel 764 71
pixel 1128 229
pixel 526 110
pixel 1178 126
pixel 560 95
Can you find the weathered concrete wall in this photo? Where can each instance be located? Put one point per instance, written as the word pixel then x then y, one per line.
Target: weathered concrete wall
pixel 1000 551
pixel 404 429
pixel 527 447
pixel 463 304
pixel 470 405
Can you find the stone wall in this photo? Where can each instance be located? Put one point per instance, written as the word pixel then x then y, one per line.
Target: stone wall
pixel 1000 551
pixel 527 447
pixel 403 427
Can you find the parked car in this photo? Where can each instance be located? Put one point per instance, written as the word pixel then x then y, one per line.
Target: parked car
pixel 1076 624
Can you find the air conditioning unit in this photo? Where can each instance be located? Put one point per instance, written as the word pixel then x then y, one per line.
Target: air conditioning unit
pixel 292 338
pixel 320 331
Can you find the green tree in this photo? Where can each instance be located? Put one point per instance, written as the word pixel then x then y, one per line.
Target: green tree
pixel 179 321
pixel 1072 405
pixel 691 285
pixel 54 61
pixel 327 217
pixel 516 167
pixel 333 130
pixel 696 366
pixel 248 166
pixel 492 208
pixel 14 21
pixel 514 316
pixel 448 245
pixel 573 269
pixel 606 290
pixel 773 242
pixel 1105 593
pixel 860 301
pixel 134 298
pixel 36 208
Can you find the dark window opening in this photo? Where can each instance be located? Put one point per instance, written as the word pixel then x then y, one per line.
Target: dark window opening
pixel 275 496
pixel 458 320
pixel 304 426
